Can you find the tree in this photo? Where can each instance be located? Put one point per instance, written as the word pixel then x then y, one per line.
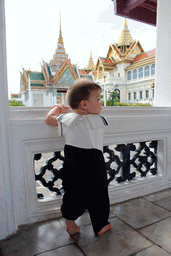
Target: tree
pixel 15 103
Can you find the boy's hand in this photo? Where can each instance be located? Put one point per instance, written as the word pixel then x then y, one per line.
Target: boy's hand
pixel 56 110
pixel 63 109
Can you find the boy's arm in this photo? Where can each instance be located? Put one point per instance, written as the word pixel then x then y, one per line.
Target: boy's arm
pixel 51 117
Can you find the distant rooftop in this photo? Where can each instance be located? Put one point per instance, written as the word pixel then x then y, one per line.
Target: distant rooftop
pixel 145 55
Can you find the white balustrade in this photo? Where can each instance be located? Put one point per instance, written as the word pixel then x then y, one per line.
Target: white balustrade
pixel 30 135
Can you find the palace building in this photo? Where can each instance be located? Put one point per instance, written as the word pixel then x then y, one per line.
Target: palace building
pixel 49 87
pixel 127 70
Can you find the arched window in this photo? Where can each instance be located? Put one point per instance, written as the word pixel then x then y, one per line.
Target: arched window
pixel 134 74
pixel 129 75
pixel 140 72
pixel 153 69
pixel 147 71
pixel 129 96
pixel 147 94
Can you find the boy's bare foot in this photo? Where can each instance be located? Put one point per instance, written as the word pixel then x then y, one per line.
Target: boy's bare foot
pixel 104 229
pixel 72 228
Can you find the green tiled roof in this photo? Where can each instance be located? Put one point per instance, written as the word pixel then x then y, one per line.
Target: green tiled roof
pixel 88 77
pixel 14 96
pixel 36 76
pixel 40 85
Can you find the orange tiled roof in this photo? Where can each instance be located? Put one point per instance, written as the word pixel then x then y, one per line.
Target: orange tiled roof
pixel 82 72
pixel 14 95
pixel 145 55
pixel 105 60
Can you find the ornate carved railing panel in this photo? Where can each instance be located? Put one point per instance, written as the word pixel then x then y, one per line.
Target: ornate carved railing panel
pixel 49 174
pixel 137 159
pixel 123 163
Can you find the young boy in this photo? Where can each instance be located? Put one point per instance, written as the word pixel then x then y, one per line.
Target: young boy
pixel 84 172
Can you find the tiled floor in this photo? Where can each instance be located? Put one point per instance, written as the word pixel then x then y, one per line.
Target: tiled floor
pixel 140 227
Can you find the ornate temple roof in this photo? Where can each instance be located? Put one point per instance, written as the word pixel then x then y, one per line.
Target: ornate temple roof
pixel 126 49
pixel 125 37
pixel 59 56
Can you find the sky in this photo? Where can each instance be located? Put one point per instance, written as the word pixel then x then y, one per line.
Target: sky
pixel 32 32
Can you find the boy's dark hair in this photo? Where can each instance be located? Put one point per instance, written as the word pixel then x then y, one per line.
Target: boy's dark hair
pixel 80 90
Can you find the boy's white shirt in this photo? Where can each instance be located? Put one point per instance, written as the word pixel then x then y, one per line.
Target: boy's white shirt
pixel 82 131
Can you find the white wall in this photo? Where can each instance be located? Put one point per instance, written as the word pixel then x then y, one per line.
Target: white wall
pixel 7 211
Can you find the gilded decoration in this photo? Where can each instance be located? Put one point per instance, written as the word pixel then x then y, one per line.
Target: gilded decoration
pixel 125 46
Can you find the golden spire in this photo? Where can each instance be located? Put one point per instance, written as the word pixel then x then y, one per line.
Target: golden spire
pixel 125 22
pixel 125 37
pixel 60 40
pixel 60 56
pixel 90 65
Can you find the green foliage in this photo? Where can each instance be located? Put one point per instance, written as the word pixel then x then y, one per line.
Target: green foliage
pixel 15 103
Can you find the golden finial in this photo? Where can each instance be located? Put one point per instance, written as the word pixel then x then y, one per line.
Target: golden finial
pixel 29 71
pixel 125 22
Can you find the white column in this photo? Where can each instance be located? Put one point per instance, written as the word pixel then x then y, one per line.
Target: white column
pixel 7 212
pixel 104 92
pixel 162 90
pixel 54 97
pixel 30 93
pixel 64 100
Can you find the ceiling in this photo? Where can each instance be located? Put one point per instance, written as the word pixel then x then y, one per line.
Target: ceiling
pixel 140 10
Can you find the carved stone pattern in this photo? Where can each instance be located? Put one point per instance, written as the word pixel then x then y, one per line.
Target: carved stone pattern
pixel 56 173
pixel 141 156
pixel 144 160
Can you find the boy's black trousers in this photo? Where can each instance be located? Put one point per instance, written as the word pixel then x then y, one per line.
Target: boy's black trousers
pixel 85 186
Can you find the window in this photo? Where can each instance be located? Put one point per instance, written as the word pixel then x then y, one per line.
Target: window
pixel 129 96
pixel 129 75
pixel 118 74
pixel 153 69
pixel 134 74
pixel 147 94
pixel 135 95
pixel 147 71
pixel 141 96
pixel 153 93
pixel 140 72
